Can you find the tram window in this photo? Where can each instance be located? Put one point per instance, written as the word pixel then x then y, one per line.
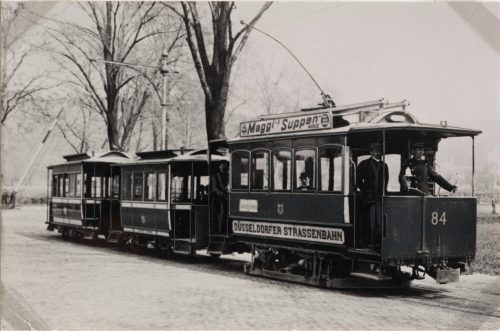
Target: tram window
pixel 54 185
pixel 115 186
pixel 161 186
pixel 282 170
pixel 105 187
pixel 108 183
pixel 393 162
pixel 78 184
pixel 150 186
pixel 66 185
pixel 138 186
pixel 127 186
pixel 304 169
pixel 201 188
pixel 86 186
pixel 239 170
pixel 71 191
pixel 96 186
pixel 181 188
pixel 330 169
pixel 260 170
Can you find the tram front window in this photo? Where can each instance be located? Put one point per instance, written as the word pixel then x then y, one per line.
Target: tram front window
pixel 304 169
pixel 54 185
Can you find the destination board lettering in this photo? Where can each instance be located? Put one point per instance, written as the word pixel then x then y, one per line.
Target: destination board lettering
pixel 289 231
pixel 311 122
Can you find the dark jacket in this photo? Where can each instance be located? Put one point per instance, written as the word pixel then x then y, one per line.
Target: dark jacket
pixel 220 183
pixel 422 172
pixel 370 179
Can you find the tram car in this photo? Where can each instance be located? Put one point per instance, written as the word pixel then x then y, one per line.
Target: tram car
pixel 164 201
pixel 294 201
pixel 79 192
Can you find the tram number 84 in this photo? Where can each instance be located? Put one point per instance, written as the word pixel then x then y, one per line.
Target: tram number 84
pixel 436 218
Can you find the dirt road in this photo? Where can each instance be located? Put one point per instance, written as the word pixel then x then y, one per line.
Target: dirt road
pixel 50 283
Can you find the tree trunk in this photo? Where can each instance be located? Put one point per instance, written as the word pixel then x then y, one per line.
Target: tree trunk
pixel 215 119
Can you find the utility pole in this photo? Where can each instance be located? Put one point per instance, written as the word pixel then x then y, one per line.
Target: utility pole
pixel 163 69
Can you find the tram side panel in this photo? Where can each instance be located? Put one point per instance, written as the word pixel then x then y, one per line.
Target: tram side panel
pixel 434 227
pixel 312 219
pixel 450 226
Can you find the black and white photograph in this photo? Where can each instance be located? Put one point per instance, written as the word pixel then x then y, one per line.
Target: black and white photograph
pixel 248 165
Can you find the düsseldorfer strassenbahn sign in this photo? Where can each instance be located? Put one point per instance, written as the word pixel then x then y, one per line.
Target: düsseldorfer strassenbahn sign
pixel 308 122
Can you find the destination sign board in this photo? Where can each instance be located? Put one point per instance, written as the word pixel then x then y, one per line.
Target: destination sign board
pixel 289 231
pixel 297 123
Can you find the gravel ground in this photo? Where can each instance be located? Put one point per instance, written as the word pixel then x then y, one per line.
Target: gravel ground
pixel 50 283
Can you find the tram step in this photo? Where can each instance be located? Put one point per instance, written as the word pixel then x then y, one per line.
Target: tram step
pixel 369 276
pixel 183 247
pixel 89 235
pixel 216 248
pixel 114 236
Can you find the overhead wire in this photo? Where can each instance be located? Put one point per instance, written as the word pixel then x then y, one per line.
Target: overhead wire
pixel 308 14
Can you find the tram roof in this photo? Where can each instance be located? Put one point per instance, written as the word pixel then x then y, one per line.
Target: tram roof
pixel 191 156
pixel 377 122
pixel 96 157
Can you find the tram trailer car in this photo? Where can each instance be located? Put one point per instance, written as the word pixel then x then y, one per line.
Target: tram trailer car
pixel 79 189
pixel 164 201
pixel 313 234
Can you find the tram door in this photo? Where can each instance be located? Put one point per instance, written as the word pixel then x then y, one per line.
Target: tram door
pixel 189 205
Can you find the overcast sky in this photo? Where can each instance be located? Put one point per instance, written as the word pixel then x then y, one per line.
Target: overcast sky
pixel 422 52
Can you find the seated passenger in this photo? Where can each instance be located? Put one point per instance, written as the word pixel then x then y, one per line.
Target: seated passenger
pixel 304 182
pixel 202 194
pixel 422 171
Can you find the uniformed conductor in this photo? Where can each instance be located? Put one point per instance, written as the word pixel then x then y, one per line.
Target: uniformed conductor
pixel 372 180
pixel 220 182
pixel 421 172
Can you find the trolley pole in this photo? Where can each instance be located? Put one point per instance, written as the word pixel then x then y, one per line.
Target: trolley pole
pixel 164 71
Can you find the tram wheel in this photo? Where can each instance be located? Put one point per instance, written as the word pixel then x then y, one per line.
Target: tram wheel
pixel 215 255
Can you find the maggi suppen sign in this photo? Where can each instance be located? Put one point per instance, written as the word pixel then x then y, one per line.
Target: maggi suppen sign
pixel 298 123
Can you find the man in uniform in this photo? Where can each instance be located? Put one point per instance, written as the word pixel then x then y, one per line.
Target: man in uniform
pixel 421 172
pixel 372 180
pixel 220 183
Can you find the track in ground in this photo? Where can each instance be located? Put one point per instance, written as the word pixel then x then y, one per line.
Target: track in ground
pixel 91 285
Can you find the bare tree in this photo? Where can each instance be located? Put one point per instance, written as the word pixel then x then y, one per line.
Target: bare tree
pixel 16 90
pixel 214 74
pixel 78 127
pixel 118 33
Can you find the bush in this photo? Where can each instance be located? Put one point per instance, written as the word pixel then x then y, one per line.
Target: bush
pixel 487 259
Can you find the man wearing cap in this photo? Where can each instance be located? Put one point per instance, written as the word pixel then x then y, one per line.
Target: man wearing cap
pixel 421 171
pixel 372 180
pixel 220 182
